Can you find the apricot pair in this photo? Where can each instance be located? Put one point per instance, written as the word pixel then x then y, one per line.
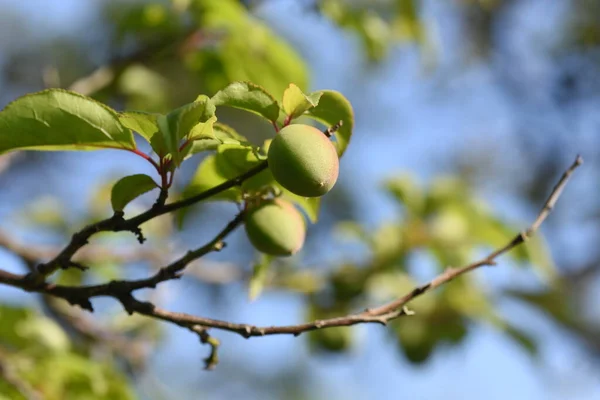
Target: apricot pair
pixel 303 160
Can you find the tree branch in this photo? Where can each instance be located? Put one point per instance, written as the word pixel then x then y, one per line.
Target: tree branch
pixel 123 290
pixel 117 223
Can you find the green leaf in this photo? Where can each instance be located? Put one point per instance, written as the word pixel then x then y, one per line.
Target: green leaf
pixel 226 134
pixel 129 188
pixel 58 120
pixel 236 159
pixel 210 135
pixel 202 138
pixel 207 176
pixel 199 146
pixel 203 130
pixel 259 276
pixel 180 123
pixel 183 119
pixel 248 50
pixel 332 108
pixel 146 125
pixel 295 102
pixel 250 97
pixel 141 122
pixel 166 137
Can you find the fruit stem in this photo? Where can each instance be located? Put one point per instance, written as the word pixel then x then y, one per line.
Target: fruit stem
pixel 332 129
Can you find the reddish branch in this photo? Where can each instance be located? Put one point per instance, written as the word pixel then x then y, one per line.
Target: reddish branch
pixel 123 290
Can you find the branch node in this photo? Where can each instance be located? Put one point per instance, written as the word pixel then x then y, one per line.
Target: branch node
pixel 74 264
pixel 420 290
pixel 246 331
pixel 211 361
pixel 162 199
pixel 82 302
pixel 137 231
pixel 332 129
pixel 407 311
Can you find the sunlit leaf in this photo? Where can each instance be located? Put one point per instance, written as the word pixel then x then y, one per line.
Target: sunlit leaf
pixel 250 97
pixel 206 177
pixel 57 119
pixel 129 188
pixel 203 130
pixel 226 134
pixel 146 125
pixel 333 107
pixel 236 159
pixel 180 123
pixel 295 102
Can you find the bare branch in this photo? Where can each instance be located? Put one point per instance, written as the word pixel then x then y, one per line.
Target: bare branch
pixel 123 290
pixel 118 224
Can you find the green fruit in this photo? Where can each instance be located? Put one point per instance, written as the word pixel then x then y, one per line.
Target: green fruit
pixel 303 160
pixel 276 227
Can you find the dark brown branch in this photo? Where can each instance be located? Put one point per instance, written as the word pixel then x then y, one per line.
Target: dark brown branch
pixel 383 314
pixel 118 224
pixel 87 255
pixel 121 290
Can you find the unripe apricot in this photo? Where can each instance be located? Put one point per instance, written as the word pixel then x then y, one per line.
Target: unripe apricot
pixel 276 227
pixel 303 160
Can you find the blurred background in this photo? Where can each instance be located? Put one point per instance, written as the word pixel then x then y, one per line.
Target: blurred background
pixel 467 112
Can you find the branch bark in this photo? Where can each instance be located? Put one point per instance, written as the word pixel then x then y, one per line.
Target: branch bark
pixel 123 290
pixel 117 223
